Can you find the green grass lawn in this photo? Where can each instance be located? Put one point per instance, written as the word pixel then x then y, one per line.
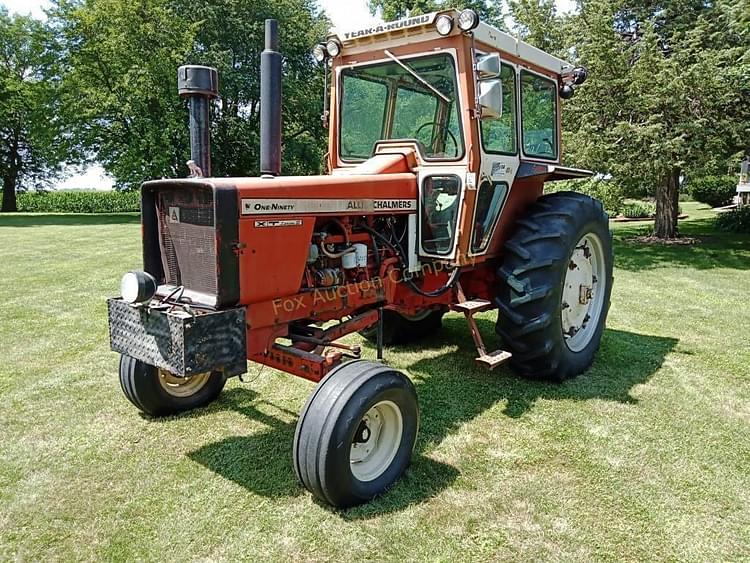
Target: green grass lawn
pixel 646 456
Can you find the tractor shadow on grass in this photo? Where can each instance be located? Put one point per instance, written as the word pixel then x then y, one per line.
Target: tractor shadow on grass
pixel 452 391
pixel 262 462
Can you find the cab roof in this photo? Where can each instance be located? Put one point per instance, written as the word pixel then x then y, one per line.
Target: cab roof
pixel 422 27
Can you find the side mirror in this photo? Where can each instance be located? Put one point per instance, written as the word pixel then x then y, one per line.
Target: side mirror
pixel 488 66
pixel 566 91
pixel 491 99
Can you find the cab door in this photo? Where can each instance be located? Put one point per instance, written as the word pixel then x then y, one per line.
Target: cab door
pixel 441 195
pixel 500 161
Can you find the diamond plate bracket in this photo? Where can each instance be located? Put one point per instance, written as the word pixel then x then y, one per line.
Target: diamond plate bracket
pixel 178 342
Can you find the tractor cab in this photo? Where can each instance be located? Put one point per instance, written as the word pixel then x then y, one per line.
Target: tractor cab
pixel 470 103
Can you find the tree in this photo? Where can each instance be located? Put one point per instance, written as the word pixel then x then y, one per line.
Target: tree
pixel 537 22
pixel 731 35
pixel 659 102
pixel 230 36
pixel 121 59
pixel 32 144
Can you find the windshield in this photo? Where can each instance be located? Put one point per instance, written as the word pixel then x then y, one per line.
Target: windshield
pixel 386 101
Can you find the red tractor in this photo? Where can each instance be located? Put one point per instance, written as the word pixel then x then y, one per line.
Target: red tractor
pixel 443 131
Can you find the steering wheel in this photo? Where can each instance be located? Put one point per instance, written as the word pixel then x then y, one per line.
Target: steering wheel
pixel 444 127
pixel 540 149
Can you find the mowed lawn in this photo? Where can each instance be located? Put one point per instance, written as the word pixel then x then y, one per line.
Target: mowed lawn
pixel 646 456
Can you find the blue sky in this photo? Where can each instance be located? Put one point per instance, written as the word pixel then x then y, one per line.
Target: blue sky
pixel 343 13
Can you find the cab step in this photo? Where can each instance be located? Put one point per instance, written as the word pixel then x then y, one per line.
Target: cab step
pixel 469 308
pixel 493 359
pixel 472 306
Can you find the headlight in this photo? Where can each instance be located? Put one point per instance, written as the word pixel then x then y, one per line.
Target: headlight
pixel 319 53
pixel 137 287
pixel 333 47
pixel 444 24
pixel 468 20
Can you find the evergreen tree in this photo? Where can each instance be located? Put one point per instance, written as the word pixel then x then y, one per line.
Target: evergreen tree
pixel 663 100
pixel 537 22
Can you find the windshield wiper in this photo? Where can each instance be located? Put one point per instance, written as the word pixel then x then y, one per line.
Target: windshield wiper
pixel 415 75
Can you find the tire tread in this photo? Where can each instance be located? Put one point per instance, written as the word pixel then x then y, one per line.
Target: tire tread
pixel 528 297
pixel 323 412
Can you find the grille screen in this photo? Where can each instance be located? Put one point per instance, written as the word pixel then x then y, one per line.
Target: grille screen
pixel 188 238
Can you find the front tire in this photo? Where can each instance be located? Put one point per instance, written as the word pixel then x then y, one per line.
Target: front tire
pixel 356 433
pixel 557 273
pixel 157 392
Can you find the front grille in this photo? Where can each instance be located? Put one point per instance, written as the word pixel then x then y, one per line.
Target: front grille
pixel 187 237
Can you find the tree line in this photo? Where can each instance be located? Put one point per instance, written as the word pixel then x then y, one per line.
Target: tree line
pixel 667 100
pixel 97 81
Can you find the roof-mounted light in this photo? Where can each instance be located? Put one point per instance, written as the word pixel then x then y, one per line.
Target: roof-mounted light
pixel 333 48
pixel 468 19
pixel 572 79
pixel 444 24
pixel 320 53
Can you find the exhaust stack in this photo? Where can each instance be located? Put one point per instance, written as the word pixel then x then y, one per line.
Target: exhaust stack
pixel 270 102
pixel 200 85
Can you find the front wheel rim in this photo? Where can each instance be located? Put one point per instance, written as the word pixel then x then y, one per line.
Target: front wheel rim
pixel 583 292
pixel 182 386
pixel 376 441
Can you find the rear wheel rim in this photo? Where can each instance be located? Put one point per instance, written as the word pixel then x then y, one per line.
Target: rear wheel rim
pixel 583 292
pixel 419 316
pixel 182 386
pixel 376 441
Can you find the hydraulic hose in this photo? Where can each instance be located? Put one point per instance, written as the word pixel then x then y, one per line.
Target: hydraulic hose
pixel 334 254
pixel 349 248
pixel 400 254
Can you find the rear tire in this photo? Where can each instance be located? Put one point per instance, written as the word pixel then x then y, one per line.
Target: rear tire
pixel 356 433
pixel 159 393
pixel 403 329
pixel 557 273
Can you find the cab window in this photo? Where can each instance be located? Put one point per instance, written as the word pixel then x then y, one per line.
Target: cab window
pixel 440 199
pixel 490 198
pixel 365 104
pixel 500 135
pixel 413 108
pixel 539 116
pixel 385 101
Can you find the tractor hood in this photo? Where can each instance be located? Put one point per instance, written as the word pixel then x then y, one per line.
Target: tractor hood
pixel 385 183
pixel 309 195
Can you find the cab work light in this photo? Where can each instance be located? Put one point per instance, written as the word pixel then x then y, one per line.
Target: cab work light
pixel 444 24
pixel 467 20
pixel 333 48
pixel 319 52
